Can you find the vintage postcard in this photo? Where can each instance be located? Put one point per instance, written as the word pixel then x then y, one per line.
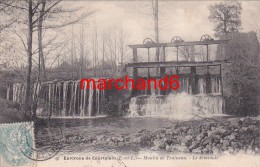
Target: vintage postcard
pixel 102 83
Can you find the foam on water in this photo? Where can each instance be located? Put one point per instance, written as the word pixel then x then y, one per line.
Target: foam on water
pixel 179 105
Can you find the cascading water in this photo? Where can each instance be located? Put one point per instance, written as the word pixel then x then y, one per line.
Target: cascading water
pixel 64 98
pixel 90 100
pixel 18 91
pixel 202 85
pixel 178 105
pixel 181 103
pixel 216 85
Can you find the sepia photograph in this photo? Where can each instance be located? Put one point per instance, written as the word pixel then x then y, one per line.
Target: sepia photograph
pixel 127 83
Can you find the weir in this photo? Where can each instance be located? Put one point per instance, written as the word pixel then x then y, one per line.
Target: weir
pixel 201 88
pixel 64 99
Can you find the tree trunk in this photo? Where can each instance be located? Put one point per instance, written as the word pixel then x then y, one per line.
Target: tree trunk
pixel 156 25
pixel 27 98
pixel 103 56
pixel 42 74
pixel 82 62
pixel 156 31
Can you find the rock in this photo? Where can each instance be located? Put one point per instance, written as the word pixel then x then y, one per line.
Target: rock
pixel 226 143
pixel 94 142
pixel 229 131
pixel 142 131
pixel 135 139
pixel 240 144
pixel 183 143
pixel 226 152
pixel 175 146
pixel 162 135
pixel 185 129
pixel 111 143
pixel 188 138
pixel 215 151
pixel 159 143
pixel 213 128
pixel 208 126
pixel 234 144
pixel 154 148
pixel 168 147
pixel 209 140
pixel 176 131
pixel 190 131
pixel 202 135
pixel 235 122
pixel 120 139
pixel 243 129
pixel 247 120
pixel 232 136
pixel 161 130
pixel 253 128
pixel 209 147
pixel 168 132
pixel 249 151
pixel 183 149
pixel 108 139
pixel 168 140
pixel 205 150
pixel 220 130
pixel 224 148
pixel 120 144
pixel 197 151
pixel 195 144
pixel 100 137
pixel 114 139
pixel 231 150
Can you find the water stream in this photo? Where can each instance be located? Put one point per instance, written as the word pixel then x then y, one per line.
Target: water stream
pixel 66 99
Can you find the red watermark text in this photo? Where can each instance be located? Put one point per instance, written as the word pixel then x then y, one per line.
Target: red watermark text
pixel 168 82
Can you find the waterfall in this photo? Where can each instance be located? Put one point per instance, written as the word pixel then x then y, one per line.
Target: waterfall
pixel 90 101
pixel 83 101
pixel 8 91
pixel 97 101
pixel 202 85
pixel 18 92
pixel 133 106
pixel 59 98
pixel 73 99
pixel 65 95
pixel 216 85
pixel 177 105
pixel 64 98
pixel 184 84
pixel 182 102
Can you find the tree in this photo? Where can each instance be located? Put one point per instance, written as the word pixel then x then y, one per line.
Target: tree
pixel 226 17
pixel 152 10
pixel 241 75
pixel 41 56
pixel 30 16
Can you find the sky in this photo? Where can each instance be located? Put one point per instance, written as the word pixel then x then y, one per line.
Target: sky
pixel 187 19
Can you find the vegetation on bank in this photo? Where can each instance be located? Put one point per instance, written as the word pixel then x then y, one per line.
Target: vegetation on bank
pixel 241 77
pixel 11 112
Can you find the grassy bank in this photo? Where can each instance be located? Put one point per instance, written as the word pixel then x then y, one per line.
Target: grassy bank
pixel 10 112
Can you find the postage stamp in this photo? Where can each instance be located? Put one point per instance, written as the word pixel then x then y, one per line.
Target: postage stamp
pixel 16 141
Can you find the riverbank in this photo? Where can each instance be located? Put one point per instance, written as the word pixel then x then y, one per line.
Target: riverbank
pixel 10 112
pixel 203 136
